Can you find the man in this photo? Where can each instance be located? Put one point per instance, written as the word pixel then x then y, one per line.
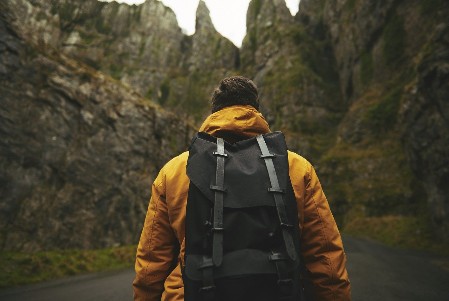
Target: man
pixel 160 254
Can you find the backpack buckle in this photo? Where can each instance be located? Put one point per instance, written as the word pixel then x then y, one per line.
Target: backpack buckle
pixel 276 190
pixel 207 263
pixel 285 287
pixel 277 257
pixel 224 155
pixel 217 188
pixel 207 288
pixel 207 291
pixel 285 225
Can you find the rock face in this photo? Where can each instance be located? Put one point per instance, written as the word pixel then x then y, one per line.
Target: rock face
pixel 208 58
pixel 142 46
pixel 392 142
pixel 79 150
pixel 425 125
pixel 359 87
pixel 295 70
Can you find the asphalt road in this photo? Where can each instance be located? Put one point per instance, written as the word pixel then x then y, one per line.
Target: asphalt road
pixel 377 273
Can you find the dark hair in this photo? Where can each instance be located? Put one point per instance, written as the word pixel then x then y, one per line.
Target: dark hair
pixel 235 90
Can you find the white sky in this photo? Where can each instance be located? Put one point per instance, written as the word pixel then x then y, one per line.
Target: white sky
pixel 228 16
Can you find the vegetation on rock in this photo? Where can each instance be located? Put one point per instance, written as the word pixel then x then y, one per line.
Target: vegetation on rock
pixel 358 87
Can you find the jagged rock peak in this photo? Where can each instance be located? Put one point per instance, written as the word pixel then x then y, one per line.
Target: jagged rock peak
pixel 267 11
pixel 153 9
pixel 221 56
pixel 203 19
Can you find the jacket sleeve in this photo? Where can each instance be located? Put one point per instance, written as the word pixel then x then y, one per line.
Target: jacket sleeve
pixel 156 249
pixel 326 277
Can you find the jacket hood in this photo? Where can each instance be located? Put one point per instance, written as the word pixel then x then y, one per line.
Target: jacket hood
pixel 235 123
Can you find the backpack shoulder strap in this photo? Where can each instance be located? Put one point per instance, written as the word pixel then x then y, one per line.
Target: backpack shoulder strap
pixel 278 198
pixel 217 246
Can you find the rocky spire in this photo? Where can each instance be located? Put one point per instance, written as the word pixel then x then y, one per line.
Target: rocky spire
pixel 265 23
pixel 267 11
pixel 221 55
pixel 203 20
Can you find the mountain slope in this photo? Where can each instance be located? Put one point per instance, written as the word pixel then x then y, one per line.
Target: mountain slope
pixel 78 151
pixel 358 87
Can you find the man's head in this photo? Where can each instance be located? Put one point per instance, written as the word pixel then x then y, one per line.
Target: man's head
pixel 235 90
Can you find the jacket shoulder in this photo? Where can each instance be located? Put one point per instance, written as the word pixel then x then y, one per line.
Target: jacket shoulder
pixel 175 165
pixel 172 175
pixel 298 164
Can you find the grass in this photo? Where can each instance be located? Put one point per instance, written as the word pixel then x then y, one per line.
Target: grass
pixel 411 232
pixel 26 268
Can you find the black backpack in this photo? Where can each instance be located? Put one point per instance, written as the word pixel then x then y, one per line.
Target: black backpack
pixel 242 234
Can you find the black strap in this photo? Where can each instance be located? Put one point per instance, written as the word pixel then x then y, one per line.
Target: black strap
pixel 208 288
pixel 278 198
pixel 217 245
pixel 208 263
pixel 285 282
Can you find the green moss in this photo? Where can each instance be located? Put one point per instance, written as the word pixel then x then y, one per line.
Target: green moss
pixel 23 268
pixel 252 40
pixel 394 41
pixel 350 4
pixel 165 91
pixel 136 15
pixel 149 93
pixel 101 26
pixel 87 37
pixel 430 7
pixel 142 47
pixel 115 71
pixel 218 47
pixel 286 81
pixel 54 8
pixel 373 177
pixel 297 34
pixel 95 64
pixel 195 100
pixel 382 115
pixel 288 74
pixel 257 4
pixel 115 8
pixel 316 52
pixel 66 11
pixel 366 73
pixel 41 16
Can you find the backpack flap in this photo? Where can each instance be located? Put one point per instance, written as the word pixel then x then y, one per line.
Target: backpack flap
pixel 240 170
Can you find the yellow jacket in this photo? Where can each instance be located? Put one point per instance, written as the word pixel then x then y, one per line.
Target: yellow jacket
pixel 158 262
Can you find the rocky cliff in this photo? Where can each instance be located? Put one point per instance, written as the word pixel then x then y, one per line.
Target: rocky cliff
pixel 392 144
pixel 294 67
pixel 142 46
pixel 79 149
pixel 359 87
pixel 424 123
